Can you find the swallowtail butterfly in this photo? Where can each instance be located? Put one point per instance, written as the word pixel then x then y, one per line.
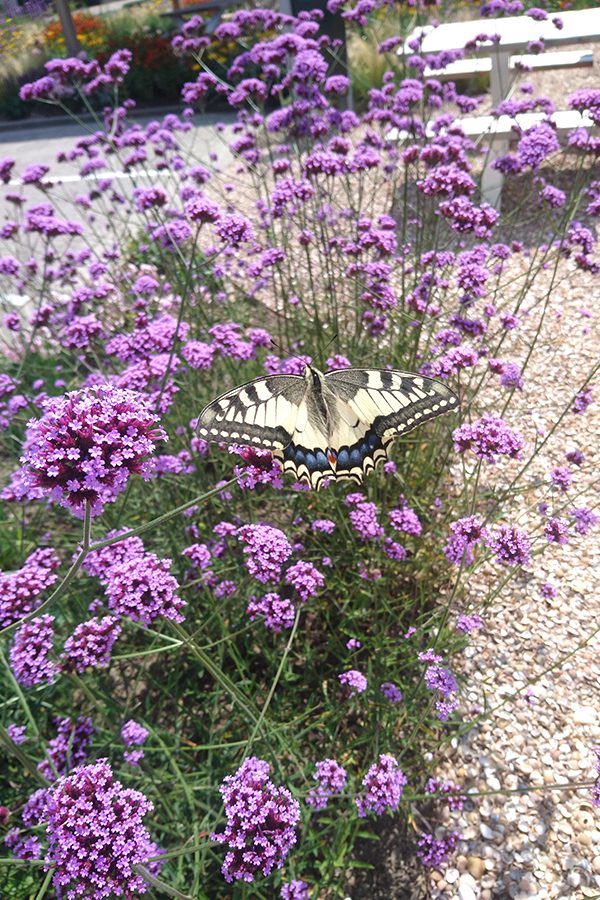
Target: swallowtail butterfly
pixel 337 425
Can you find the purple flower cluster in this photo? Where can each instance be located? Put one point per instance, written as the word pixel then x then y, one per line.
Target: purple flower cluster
pixel 441 680
pixel 391 692
pixel 354 680
pixel 90 645
pixel 330 778
pixel 23 847
pixel 142 588
pixel 488 438
pixel 433 852
pixel 88 443
pixel 383 783
pixel 96 835
pixel 295 890
pixel 20 590
pixel 29 652
pixel 133 736
pixel 69 748
pixel 261 820
pixel 510 545
pixel 278 611
pixel 464 536
pixel 305 579
pixel 266 549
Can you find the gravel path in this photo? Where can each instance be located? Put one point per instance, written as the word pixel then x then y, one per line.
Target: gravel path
pixel 537 843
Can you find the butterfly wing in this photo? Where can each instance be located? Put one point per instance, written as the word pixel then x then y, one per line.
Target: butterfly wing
pixel 384 405
pixel 262 413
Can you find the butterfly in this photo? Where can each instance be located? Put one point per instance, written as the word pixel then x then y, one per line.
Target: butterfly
pixel 333 426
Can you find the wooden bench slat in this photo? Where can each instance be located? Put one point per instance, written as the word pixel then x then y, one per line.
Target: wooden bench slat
pixel 477 65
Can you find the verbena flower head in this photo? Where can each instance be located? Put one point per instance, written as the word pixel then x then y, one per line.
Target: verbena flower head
pixel 557 530
pixel 433 852
pixel 295 890
pixel 90 645
pixel 142 588
pixel 23 847
pixel 562 478
pixel 464 536
pixel 583 519
pixel 133 733
pixel 266 549
pixel 88 443
pixel 510 545
pixel 20 590
pixel 29 652
pixel 261 820
pixel 96 835
pixel 488 438
pixel 469 623
pixel 354 680
pixel 330 778
pixel 98 562
pixel 34 811
pixel 383 783
pixel 16 733
pixel 441 680
pixel 391 692
pixel 406 520
pixel 279 612
pixel 305 579
pixel 69 748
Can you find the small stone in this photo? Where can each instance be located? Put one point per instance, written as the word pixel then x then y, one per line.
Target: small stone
pixel 486 831
pixel 585 715
pixel 596 865
pixel 466 887
pixel 574 879
pixel 451 875
pixel 475 866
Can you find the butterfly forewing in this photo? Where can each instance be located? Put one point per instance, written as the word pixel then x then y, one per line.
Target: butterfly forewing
pixel 262 413
pixel 392 402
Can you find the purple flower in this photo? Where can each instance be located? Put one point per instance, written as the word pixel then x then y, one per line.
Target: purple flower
pixel 16 733
pixel 29 652
pixel 575 456
pixel 511 545
pixel 295 890
pixel 96 835
pixel 305 579
pixel 582 401
pixel 87 443
pixel 323 526
pixel 557 531
pixel 261 820
pixel 149 198
pixel 133 733
pixel 98 562
pixel 393 549
pixel 537 144
pixel 69 747
pixel 405 520
pixel 354 680
pixel 469 623
pixel 142 588
pixel 383 783
pixel 562 478
pixel 330 778
pixel 391 692
pixel 549 591
pixel 266 550
pixel 364 521
pixel 584 519
pixel 440 679
pixel 234 230
pixel 433 852
pixel 488 438
pixel 450 791
pixel 23 847
pixel 279 612
pixel 465 534
pixel 90 645
pixel 19 590
pixel 34 811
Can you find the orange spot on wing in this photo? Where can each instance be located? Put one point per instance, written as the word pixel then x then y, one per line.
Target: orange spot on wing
pixel 332 458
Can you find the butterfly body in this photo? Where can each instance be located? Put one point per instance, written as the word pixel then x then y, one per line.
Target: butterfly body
pixel 321 426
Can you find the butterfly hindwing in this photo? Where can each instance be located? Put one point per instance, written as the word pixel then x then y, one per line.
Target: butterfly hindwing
pixel 262 413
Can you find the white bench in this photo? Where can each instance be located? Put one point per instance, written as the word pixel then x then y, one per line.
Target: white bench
pixel 497 132
pixel 477 65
